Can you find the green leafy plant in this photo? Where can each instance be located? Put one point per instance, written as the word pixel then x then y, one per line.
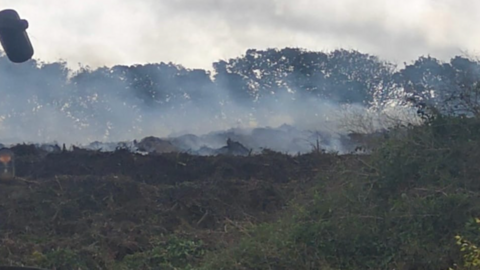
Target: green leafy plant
pixel 470 251
pixel 173 253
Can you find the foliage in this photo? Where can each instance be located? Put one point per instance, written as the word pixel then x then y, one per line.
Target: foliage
pixel 471 252
pixel 399 208
pixel 59 259
pixel 174 253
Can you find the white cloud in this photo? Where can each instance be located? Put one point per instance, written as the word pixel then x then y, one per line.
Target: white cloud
pixel 197 32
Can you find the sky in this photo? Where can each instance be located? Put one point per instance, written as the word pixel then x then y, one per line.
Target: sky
pixel 196 33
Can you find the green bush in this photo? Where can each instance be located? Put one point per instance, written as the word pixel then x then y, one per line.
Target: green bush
pixel 59 259
pixel 172 253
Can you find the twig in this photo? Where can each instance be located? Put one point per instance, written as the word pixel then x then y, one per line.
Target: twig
pixel 25 180
pixel 203 218
pixel 236 226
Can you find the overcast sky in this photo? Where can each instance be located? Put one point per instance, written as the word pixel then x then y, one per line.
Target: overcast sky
pixel 196 33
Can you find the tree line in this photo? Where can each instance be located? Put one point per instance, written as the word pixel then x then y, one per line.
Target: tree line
pixel 257 80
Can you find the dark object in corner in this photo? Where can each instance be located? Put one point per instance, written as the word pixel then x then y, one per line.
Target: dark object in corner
pixel 14 38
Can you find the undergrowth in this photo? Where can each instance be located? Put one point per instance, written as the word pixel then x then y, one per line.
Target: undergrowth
pixel 413 203
pixel 406 206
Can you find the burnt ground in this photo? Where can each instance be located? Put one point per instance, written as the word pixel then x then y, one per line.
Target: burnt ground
pixel 108 205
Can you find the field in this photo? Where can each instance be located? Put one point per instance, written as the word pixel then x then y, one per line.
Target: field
pixel 387 178
pixel 412 203
pixel 101 207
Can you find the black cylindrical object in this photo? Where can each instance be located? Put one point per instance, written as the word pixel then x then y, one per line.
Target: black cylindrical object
pixel 13 37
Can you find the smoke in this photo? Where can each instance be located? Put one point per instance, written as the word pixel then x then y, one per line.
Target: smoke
pixel 286 100
pixel 111 99
pixel 47 102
